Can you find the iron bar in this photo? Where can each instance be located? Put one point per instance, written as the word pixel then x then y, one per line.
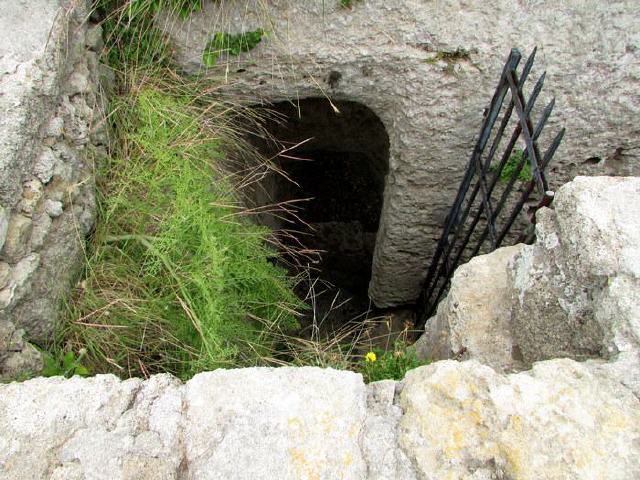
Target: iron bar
pixel 456 233
pixel 453 220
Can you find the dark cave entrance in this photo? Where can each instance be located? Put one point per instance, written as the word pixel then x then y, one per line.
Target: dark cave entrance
pixel 338 166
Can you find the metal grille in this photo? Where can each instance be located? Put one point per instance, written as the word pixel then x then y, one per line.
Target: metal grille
pixel 497 184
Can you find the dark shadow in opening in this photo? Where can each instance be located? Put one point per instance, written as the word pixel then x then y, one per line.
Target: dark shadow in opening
pixel 340 166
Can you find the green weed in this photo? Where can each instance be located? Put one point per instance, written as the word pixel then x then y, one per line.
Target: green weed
pixel 511 165
pixel 230 44
pixel 176 281
pixel 66 365
pixel 391 364
pixel 347 3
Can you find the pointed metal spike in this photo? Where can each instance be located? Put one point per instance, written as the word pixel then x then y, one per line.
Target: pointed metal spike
pixel 546 113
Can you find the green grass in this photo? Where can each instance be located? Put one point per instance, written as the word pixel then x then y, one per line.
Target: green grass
pixel 176 280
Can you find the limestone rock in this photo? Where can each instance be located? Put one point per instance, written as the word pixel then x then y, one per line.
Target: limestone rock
pixel 18 232
pixel 45 164
pixel 19 282
pixel 31 194
pixel 4 225
pixel 576 291
pixel 560 420
pixel 275 423
pixel 474 320
pixel 45 53
pixel 380 449
pixel 5 274
pixel 53 208
pixel 448 420
pixel 94 39
pixel 17 357
pixel 41 227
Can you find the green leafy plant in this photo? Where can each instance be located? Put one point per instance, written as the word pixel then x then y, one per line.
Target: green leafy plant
pixel 230 44
pixel 347 3
pixel 517 156
pixel 66 365
pixel 391 364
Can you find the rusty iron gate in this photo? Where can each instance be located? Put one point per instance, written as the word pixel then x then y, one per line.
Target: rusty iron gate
pixel 497 184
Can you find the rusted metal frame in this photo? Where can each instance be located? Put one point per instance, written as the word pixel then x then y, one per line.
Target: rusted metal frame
pixel 503 125
pixel 483 168
pixel 485 201
pixel 531 185
pixel 518 130
pixel 505 157
pixel 514 177
pixel 453 217
pixel 527 128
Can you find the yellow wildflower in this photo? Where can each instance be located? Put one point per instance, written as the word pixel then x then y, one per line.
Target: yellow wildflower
pixel 371 357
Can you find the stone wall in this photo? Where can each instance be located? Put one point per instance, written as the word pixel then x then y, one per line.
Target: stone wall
pixel 398 57
pixel 561 419
pixel 50 138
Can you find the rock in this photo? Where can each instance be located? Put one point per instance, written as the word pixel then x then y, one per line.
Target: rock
pixel 41 227
pixel 55 128
pixel 19 283
pixel 448 420
pixel 93 38
pixel 380 449
pixel 18 232
pixel 5 274
pixel 253 423
pixel 78 81
pixel 574 293
pixel 576 290
pixel 4 225
pixel 17 357
pixel 53 208
pixel 282 423
pixel 31 195
pixel 27 361
pixel 474 320
pixel 560 420
pixel 48 104
pixel 45 165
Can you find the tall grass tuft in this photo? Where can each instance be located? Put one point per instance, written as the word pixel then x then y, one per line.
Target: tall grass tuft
pixel 175 279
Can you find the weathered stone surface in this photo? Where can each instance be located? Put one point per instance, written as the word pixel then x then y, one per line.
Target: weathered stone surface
pixel 388 55
pixel 448 420
pixel 560 420
pixel 17 357
pixel 577 290
pixel 18 232
pixel 574 293
pixel 380 449
pixel 474 320
pixel 4 226
pixel 43 134
pixel 276 423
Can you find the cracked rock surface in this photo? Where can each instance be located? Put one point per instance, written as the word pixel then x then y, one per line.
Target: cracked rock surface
pixel 447 420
